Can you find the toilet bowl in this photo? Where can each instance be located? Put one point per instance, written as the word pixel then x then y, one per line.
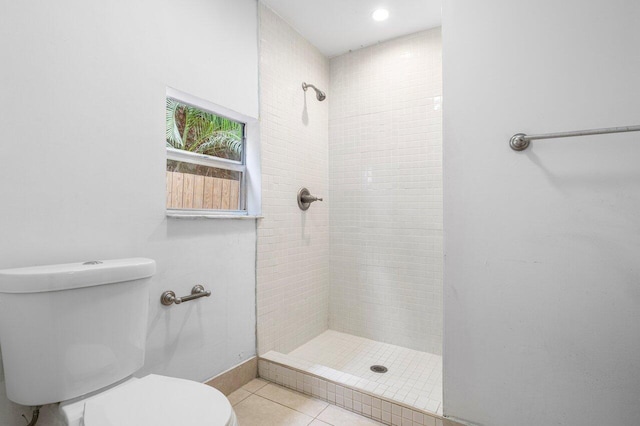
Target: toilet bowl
pixel 151 400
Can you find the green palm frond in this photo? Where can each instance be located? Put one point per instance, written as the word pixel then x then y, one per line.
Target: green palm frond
pixel 174 139
pixel 221 140
pixel 195 130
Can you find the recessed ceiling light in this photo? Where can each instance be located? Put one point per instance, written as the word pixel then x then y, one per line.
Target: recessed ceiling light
pixel 380 15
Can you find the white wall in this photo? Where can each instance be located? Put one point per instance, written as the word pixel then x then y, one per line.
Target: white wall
pixel 542 301
pixel 82 112
pixel 293 245
pixel 385 174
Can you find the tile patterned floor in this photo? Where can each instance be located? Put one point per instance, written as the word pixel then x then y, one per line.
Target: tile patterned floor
pixel 414 378
pixel 260 403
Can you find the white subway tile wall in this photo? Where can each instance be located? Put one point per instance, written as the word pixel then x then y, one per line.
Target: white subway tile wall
pixel 385 187
pixel 293 246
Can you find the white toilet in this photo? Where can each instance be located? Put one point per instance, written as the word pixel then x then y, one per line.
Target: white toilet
pixel 76 333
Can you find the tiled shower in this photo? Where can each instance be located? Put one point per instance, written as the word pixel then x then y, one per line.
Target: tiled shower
pixel 356 280
pixel 385 189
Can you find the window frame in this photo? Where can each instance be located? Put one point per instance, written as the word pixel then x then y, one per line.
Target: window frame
pixel 249 196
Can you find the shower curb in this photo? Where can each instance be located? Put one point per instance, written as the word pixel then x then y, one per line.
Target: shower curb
pixel 398 414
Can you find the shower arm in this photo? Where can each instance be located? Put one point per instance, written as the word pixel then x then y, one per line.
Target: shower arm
pixel 305 86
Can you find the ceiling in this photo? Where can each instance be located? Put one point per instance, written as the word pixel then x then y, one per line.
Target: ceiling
pixel 337 26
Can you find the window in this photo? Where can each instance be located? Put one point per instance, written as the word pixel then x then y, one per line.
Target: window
pixel 206 169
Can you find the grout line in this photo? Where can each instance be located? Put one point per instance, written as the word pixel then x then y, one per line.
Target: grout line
pixel 282 405
pixel 290 390
pixel 309 397
pixel 328 405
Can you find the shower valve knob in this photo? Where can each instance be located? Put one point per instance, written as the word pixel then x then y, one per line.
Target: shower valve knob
pixel 305 198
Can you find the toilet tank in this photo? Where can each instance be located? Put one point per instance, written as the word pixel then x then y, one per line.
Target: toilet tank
pixel 67 330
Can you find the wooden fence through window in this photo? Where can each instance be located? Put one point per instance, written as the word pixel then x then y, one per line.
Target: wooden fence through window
pixel 188 191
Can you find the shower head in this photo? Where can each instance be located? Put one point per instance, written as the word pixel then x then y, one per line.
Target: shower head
pixel 319 93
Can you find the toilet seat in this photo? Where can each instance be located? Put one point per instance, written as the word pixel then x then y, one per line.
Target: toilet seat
pixel 159 401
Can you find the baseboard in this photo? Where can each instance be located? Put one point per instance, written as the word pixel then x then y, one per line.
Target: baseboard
pixel 236 377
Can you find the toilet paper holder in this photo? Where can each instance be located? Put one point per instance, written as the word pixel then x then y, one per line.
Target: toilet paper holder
pixel 169 297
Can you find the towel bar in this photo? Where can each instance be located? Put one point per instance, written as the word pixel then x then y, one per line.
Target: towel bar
pixel 520 141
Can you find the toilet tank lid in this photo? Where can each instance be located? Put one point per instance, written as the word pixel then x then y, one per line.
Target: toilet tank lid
pixel 38 279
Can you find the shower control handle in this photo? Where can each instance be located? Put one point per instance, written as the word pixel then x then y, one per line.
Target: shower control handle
pixel 310 199
pixel 305 199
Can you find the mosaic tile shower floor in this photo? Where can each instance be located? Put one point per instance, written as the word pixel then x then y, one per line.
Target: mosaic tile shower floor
pixel 413 378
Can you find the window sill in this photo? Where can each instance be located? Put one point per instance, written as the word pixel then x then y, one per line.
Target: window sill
pixel 212 216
